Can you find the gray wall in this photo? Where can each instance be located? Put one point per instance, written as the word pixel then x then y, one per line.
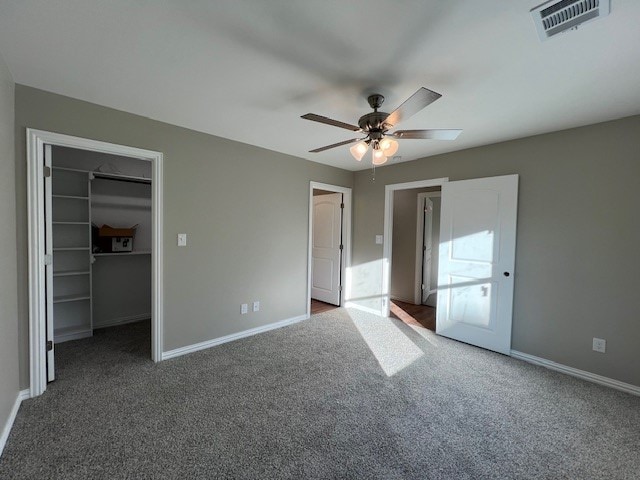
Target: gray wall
pixel 244 208
pixel 8 306
pixel 577 240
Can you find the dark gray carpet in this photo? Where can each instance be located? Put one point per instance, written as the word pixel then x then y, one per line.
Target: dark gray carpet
pixel 313 401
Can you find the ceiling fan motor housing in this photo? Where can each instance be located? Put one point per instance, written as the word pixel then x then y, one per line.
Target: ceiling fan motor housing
pixel 373 122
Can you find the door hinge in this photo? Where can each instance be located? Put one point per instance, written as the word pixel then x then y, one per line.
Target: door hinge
pixel 48 260
pixel 424 248
pixel 422 286
pixel 340 288
pixel 341 247
pixel 47 171
pixel 49 345
pixel 342 205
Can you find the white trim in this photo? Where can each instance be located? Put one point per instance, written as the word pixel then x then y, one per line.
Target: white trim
pixel 388 232
pixel 345 274
pixel 402 299
pixel 6 430
pixel 112 322
pixel 36 139
pixel 177 352
pixel 574 372
pixel 65 337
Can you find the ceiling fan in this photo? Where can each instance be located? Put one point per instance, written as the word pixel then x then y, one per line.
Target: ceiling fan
pixel 376 126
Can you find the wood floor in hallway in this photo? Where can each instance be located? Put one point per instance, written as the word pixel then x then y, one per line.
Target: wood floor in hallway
pixel 319 307
pixel 418 315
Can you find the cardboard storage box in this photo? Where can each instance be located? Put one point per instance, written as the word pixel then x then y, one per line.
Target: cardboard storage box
pixel 108 239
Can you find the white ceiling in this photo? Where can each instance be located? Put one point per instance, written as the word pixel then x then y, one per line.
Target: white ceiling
pixel 247 69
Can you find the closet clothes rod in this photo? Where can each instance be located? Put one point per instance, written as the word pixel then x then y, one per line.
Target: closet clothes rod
pixel 119 178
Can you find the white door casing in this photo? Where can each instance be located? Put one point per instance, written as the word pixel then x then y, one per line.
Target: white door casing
pixel 427 248
pixel 326 249
pixel 48 252
pixel 476 261
pixel 36 141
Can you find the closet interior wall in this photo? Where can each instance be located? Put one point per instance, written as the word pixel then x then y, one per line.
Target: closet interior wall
pixel 94 290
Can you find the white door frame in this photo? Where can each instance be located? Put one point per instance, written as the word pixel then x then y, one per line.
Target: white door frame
pixel 417 297
pixel 345 273
pixel 388 232
pixel 36 139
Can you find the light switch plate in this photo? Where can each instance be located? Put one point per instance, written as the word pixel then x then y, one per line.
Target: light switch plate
pixel 379 239
pixel 256 306
pixel 244 308
pixel 182 239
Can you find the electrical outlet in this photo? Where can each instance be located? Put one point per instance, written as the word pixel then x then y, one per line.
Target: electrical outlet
pixel 244 308
pixel 182 239
pixel 599 345
pixel 379 239
pixel 256 306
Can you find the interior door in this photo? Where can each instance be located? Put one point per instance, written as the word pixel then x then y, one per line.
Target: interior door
pixel 427 249
pixel 48 269
pixel 326 250
pixel 476 261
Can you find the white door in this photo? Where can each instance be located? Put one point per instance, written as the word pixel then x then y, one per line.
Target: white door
pixel 476 261
pixel 48 270
pixel 326 249
pixel 427 249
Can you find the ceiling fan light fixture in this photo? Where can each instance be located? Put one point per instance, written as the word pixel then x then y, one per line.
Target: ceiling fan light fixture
pixel 378 157
pixel 388 146
pixel 358 150
pixel 376 126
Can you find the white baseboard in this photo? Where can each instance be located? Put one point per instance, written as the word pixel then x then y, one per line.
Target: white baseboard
pixel 362 308
pixel 122 320
pixel 66 337
pixel 230 338
pixel 405 300
pixel 22 395
pixel 574 372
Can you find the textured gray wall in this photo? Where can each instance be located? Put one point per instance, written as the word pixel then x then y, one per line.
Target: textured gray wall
pixel 577 242
pixel 8 306
pixel 244 208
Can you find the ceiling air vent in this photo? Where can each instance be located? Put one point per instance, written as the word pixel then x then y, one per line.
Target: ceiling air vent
pixel 558 16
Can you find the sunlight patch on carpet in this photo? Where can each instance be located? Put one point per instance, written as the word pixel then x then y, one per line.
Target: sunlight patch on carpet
pixel 393 350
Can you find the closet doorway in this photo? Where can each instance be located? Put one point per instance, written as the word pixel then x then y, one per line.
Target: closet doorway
pixel 94 243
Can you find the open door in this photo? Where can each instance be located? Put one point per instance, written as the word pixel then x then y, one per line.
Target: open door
pixel 476 261
pixel 48 255
pixel 326 251
pixel 427 249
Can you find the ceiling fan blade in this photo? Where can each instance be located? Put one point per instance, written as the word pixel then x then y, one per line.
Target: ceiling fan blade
pixel 329 121
pixel 434 134
pixel 412 105
pixel 346 142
